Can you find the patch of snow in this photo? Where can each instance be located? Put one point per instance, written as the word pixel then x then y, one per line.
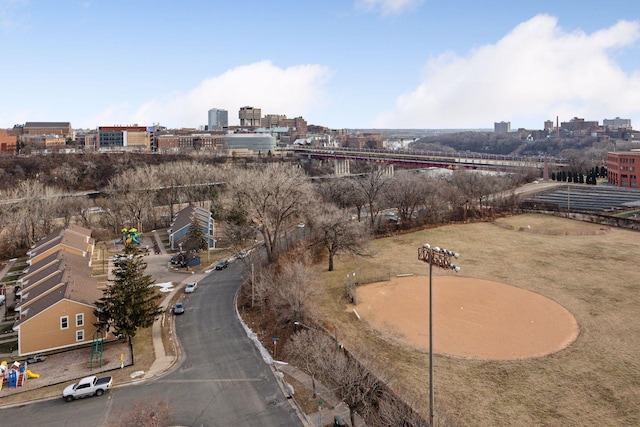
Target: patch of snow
pixel 165 287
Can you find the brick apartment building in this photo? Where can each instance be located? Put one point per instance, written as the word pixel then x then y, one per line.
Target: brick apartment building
pixel 8 142
pixel 622 168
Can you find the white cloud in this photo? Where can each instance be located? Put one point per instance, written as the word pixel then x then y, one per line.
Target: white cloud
pixel 294 91
pixel 387 7
pixel 532 74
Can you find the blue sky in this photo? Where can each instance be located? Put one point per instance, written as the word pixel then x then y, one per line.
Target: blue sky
pixel 337 63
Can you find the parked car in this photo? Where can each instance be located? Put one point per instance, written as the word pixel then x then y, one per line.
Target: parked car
pixel 243 254
pixel 179 308
pixel 191 287
pixel 222 264
pixel 87 386
pixel 35 359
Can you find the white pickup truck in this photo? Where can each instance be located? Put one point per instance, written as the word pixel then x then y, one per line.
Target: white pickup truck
pixel 88 386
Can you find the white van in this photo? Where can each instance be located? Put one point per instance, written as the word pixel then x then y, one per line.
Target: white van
pixel 2 298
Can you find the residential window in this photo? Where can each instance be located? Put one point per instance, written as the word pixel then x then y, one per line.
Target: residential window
pixel 64 322
pixel 80 319
pixel 80 335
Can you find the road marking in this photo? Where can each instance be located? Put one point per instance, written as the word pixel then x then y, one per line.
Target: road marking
pixel 220 380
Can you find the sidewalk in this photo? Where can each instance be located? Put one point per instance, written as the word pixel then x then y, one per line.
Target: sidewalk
pixel 327 396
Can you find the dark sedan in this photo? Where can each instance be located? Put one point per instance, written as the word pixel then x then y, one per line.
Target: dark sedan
pixel 37 358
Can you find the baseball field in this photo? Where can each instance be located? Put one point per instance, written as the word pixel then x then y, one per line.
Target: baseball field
pixel 541 327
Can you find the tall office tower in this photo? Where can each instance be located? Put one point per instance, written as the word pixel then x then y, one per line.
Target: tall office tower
pixel 250 116
pixel 502 127
pixel 218 119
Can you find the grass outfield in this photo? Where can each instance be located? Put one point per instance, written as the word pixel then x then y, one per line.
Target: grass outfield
pixel 593 382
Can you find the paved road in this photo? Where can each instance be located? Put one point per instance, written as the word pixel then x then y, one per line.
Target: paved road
pixel 221 380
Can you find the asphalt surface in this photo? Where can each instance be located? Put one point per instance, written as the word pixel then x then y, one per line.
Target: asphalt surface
pixel 220 379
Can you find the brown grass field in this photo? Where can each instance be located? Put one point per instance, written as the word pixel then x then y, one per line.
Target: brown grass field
pixel 594 381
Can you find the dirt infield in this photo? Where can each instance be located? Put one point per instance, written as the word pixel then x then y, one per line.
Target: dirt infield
pixel 471 317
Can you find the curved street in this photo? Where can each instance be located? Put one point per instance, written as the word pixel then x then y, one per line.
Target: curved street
pixel 219 380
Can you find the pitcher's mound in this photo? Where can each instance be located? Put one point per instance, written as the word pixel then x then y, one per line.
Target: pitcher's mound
pixel 471 317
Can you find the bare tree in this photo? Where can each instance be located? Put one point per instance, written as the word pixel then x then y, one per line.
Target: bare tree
pixel 370 188
pixel 307 349
pixel 397 411
pixel 131 195
pixel 358 387
pixel 173 179
pixel 436 204
pixel 406 191
pixel 272 198
pixel 66 176
pixel 294 286
pixel 12 235
pixel 336 232
pixel 287 290
pixel 471 186
pixel 343 192
pixel 38 208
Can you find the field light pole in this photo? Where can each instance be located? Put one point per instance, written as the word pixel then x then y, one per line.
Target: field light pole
pixel 440 258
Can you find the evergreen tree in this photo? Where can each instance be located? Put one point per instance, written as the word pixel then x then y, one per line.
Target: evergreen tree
pixel 130 301
pixel 195 241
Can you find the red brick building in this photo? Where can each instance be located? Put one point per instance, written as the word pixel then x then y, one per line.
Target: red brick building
pixel 622 168
pixel 8 142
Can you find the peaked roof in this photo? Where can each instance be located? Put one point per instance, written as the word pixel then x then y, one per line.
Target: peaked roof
pixel 59 275
pixel 67 279
pixel 184 217
pixel 72 236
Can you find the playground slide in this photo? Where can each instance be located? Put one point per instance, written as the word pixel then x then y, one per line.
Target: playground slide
pixel 32 374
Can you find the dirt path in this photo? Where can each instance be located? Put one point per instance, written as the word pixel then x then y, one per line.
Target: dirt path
pixel 471 317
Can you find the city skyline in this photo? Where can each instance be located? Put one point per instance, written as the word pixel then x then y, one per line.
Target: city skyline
pixel 342 64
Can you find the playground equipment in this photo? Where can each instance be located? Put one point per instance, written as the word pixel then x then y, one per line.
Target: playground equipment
pixel 32 374
pixel 130 236
pixel 16 374
pixel 97 348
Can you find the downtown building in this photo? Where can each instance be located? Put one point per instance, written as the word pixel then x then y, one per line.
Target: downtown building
pixel 123 138
pixel 218 119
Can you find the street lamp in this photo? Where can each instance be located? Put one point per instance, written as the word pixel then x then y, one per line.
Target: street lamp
pixel 441 258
